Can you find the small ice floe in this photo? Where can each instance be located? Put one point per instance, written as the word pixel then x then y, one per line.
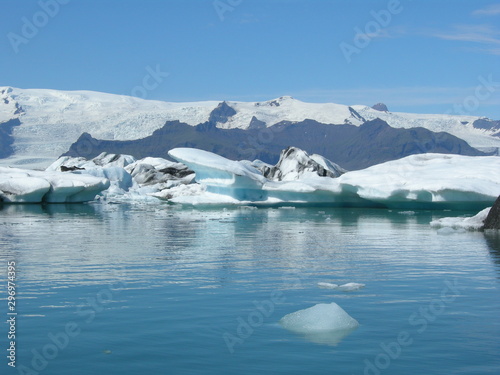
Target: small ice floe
pixel 451 225
pixel 406 212
pixel 349 287
pixel 328 285
pixel 322 323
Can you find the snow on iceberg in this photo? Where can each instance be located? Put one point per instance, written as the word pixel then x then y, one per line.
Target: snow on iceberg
pixel 418 181
pixel 27 186
pixel 322 323
pixel 429 180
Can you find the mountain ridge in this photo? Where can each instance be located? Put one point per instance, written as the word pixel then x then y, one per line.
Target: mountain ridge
pixel 52 120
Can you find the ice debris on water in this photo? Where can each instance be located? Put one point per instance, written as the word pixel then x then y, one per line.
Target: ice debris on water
pixel 349 287
pixel 324 323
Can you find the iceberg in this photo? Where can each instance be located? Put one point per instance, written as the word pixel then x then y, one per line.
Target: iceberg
pixel 27 186
pixel 322 323
pixel 351 287
pixel 475 222
pixel 129 178
pixel 223 176
pixel 424 181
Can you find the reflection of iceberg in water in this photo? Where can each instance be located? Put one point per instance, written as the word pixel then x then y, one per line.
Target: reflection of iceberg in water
pixel 331 338
pixel 323 323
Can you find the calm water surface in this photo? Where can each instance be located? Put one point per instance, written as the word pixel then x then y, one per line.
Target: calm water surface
pixel 161 289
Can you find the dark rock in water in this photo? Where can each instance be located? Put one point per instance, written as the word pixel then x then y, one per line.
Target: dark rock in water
pixel 492 221
pixel 380 107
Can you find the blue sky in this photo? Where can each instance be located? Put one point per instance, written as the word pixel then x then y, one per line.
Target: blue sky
pixel 415 56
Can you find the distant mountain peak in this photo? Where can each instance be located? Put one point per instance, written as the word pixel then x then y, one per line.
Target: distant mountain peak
pixel 380 107
pixel 222 113
pixel 276 102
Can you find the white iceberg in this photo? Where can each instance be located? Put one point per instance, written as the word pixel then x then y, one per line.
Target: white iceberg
pixel 27 186
pixel 417 181
pixel 351 287
pixel 223 176
pixel 322 323
pixel 475 222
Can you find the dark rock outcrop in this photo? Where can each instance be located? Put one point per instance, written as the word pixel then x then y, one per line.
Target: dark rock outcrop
pixel 492 221
pixel 221 113
pixel 380 107
pixel 6 139
pixel 352 147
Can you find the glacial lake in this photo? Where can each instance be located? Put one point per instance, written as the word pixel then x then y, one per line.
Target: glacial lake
pixel 155 288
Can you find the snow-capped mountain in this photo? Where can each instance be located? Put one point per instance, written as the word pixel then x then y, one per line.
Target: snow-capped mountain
pixel 38 125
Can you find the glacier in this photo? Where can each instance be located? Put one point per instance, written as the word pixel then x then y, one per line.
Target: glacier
pixel 425 181
pixel 41 113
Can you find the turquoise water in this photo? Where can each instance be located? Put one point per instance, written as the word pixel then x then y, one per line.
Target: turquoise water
pixel 160 289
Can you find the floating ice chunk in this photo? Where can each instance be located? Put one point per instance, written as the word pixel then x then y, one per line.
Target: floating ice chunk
pixel 406 212
pixel 27 186
pixel 19 187
pixel 351 287
pixel 322 323
pixel 327 285
pixel 470 223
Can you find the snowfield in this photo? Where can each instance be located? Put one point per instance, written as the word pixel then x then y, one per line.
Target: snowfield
pixel 51 120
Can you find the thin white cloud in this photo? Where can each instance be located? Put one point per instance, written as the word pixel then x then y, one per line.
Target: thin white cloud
pixel 485 34
pixel 492 10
